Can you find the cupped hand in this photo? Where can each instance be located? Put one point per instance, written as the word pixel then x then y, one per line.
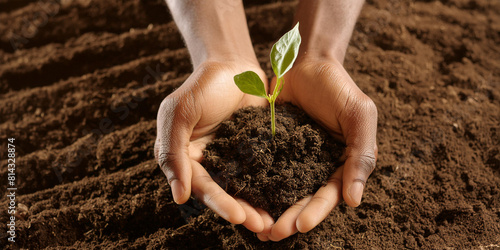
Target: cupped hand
pixel 324 90
pixel 185 123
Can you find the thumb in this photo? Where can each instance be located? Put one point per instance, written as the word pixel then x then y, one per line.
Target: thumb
pixel 360 127
pixel 172 149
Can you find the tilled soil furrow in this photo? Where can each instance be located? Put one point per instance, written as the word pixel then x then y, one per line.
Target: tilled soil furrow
pixel 36 23
pixel 91 155
pixel 8 5
pixel 54 62
pixel 278 16
pixel 166 65
pixel 88 209
pixel 91 51
pixel 100 116
pixel 43 22
pixel 51 21
pixel 90 41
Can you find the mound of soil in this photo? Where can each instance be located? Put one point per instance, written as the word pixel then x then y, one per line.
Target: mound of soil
pixel 271 173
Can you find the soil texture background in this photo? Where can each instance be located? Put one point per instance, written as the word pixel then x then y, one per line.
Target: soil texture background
pixel 81 82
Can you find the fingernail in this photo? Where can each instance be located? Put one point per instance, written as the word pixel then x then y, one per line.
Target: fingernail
pixel 356 192
pixel 177 190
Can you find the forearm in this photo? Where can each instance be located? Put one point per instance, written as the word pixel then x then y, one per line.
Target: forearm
pixel 213 30
pixel 326 26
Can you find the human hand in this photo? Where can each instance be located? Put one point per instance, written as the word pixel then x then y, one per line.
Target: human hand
pixel 323 89
pixel 186 119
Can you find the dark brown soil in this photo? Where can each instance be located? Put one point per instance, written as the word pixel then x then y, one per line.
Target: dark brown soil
pixel 432 68
pixel 272 173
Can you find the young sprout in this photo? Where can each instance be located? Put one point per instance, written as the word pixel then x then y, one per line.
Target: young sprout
pixel 283 55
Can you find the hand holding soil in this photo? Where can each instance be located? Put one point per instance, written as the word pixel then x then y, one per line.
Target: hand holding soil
pixel 319 84
pixel 188 116
pixel 220 48
pixel 186 119
pixel 326 92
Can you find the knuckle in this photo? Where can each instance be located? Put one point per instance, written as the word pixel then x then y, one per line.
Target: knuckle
pixel 360 107
pixel 336 180
pixel 212 197
pixel 367 163
pixel 320 199
pixel 299 206
pixel 178 107
pixel 166 160
pixel 202 179
pixel 369 106
pixel 168 103
pixel 166 114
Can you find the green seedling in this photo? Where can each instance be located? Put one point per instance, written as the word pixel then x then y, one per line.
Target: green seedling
pixel 283 55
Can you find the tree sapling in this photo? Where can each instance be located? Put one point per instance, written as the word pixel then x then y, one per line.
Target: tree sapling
pixel 283 55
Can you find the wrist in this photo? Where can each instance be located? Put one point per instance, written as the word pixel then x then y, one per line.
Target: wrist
pixel 307 55
pixel 318 44
pixel 333 53
pixel 213 30
pixel 326 27
pixel 243 58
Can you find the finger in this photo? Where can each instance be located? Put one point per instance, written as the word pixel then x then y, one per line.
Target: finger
pixel 172 150
pixel 197 146
pixel 360 126
pixel 253 220
pixel 268 224
pixel 286 224
pixel 322 203
pixel 262 237
pixel 268 221
pixel 214 197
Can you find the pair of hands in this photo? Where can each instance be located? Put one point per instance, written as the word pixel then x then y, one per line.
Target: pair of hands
pixel 188 117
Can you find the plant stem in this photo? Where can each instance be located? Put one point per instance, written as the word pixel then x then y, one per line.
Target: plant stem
pixel 273 123
pixel 276 88
pixel 272 99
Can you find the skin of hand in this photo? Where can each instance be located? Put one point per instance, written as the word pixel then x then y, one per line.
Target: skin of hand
pixel 319 84
pixel 219 44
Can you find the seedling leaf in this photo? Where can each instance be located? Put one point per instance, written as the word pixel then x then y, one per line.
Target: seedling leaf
pixel 285 51
pixel 283 55
pixel 250 83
